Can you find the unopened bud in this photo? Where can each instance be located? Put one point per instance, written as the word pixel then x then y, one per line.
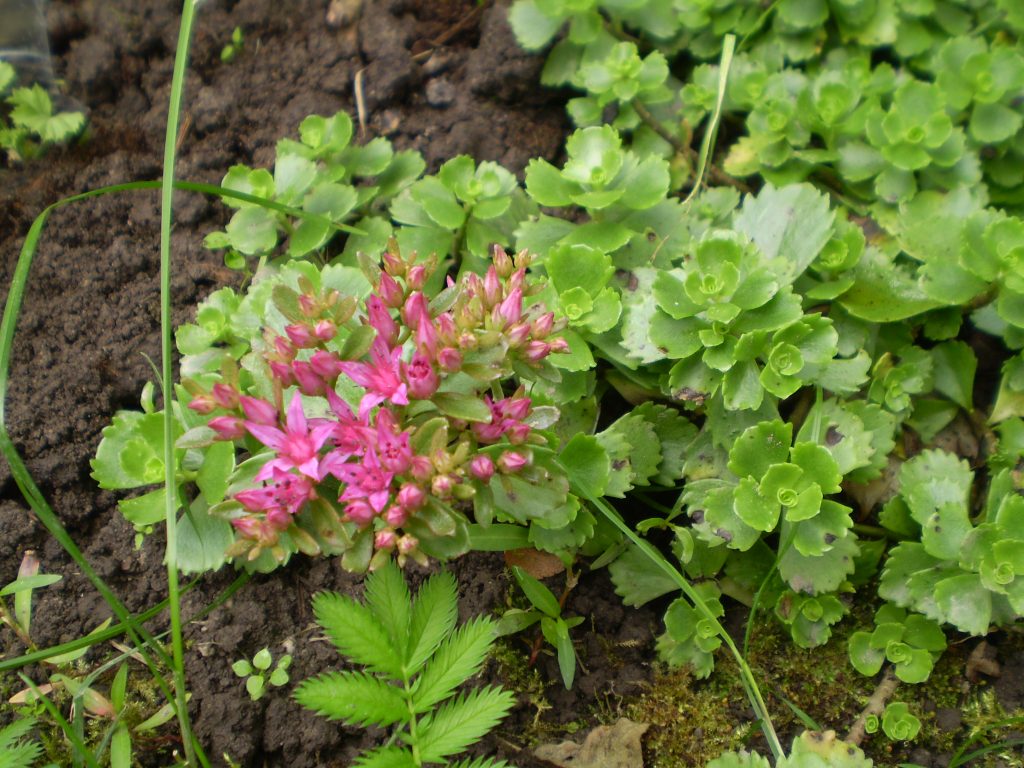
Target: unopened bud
pixel 395 516
pixel 542 326
pixel 511 308
pixel 482 467
pixel 449 359
pixel 558 345
pixel 517 334
pixel 421 469
pixel 411 496
pixel 259 411
pixel 390 291
pixel 359 512
pixel 441 486
pixel 407 544
pixel 512 461
pixel 307 304
pixel 224 396
pixel 536 351
pixel 203 404
pixel 393 263
pixel 227 427
pixel 502 262
pixel 325 330
pixel 416 277
pixel 385 539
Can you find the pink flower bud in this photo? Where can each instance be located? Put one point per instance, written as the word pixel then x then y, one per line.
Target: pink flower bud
pixel 415 310
pixel 472 285
pixel 449 359
pixel 446 330
pixel 517 408
pixel 309 381
pixel 390 291
pixel 203 404
pixel 284 348
pixel 224 396
pixel 282 372
pixel 380 319
pixel 421 468
pixel 511 308
pixel 407 544
pixel 307 304
pixel 558 345
pixel 467 340
pixel 384 539
pixel 482 467
pixel 227 427
pixel 517 432
pixel 278 518
pixel 536 351
pixel 395 516
pixel 517 333
pixel 300 336
pixel 325 330
pixel 249 527
pixel 326 365
pixel 492 288
pixel 542 325
pixel 416 277
pixel 441 486
pixel 393 264
pixel 502 262
pixel 259 411
pixel 411 496
pixel 421 377
pixel 359 512
pixel 517 280
pixel 512 461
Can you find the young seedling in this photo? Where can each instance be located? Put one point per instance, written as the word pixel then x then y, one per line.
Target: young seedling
pixel 234 47
pixel 547 609
pixel 415 658
pixel 257 673
pixel 29 579
pixel 31 125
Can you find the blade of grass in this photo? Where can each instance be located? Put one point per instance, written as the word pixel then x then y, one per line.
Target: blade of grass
pixel 79 749
pixel 192 751
pixel 707 145
pixel 746 675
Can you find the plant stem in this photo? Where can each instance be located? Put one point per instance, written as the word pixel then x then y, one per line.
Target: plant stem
pixel 167 383
pixel 876 704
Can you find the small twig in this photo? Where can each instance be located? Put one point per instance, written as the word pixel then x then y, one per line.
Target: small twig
pixel 360 102
pixel 451 32
pixel 876 704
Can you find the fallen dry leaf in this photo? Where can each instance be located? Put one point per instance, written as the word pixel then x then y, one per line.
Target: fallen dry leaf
pixel 538 564
pixel 614 746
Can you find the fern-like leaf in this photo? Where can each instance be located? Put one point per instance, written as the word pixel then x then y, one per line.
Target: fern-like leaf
pixel 461 722
pixel 357 633
pixel 388 598
pixel 479 762
pixel 458 658
pixel 13 754
pixel 433 618
pixel 386 757
pixel 354 697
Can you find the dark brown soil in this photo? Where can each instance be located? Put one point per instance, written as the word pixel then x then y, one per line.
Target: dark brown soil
pixel 91 319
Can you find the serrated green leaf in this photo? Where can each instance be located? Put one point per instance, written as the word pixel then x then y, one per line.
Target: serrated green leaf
pixel 434 612
pixel 357 633
pixel 387 596
pixel 461 722
pixel 458 658
pixel 355 698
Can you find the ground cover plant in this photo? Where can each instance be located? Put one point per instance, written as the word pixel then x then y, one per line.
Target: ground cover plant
pixel 751 344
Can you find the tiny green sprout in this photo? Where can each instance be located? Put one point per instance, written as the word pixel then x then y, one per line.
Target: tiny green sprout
pixel 234 47
pixel 29 579
pixel 898 724
pixel 548 611
pixel 258 673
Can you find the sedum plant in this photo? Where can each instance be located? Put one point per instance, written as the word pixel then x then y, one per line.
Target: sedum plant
pixel 811 749
pixel 414 659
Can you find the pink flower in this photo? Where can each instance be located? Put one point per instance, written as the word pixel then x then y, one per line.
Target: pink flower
pixel 380 320
pixel 259 411
pixel 297 446
pixel 366 480
pixel 227 427
pixel 392 447
pixel 421 377
pixel 281 499
pixel 482 467
pixel 380 378
pixel 426 337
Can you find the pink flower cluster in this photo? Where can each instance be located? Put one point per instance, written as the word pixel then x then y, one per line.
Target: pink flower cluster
pixel 361 462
